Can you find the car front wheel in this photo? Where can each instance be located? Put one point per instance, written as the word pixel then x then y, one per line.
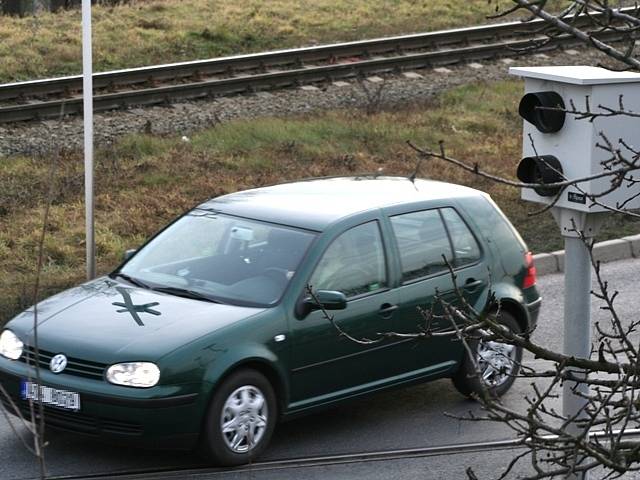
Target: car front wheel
pixel 497 364
pixel 240 419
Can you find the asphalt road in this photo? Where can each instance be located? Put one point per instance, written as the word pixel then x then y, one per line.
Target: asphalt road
pixel 406 418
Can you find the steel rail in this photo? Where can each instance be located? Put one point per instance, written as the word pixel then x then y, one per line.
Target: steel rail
pixel 321 460
pixel 262 81
pixel 339 459
pixel 235 73
pixel 280 58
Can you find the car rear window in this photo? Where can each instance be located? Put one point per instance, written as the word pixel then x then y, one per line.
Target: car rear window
pixel 422 241
pixel 428 237
pixel 465 246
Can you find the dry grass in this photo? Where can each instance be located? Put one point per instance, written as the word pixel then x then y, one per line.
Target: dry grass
pixel 161 31
pixel 145 181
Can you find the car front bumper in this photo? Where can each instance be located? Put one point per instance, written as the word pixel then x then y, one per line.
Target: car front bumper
pixel 145 418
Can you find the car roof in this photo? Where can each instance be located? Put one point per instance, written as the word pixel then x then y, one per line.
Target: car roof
pixel 315 203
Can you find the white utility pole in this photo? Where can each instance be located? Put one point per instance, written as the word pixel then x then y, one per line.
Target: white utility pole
pixel 577 312
pixel 87 93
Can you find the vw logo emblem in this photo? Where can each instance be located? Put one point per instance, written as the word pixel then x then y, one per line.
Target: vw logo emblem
pixel 58 363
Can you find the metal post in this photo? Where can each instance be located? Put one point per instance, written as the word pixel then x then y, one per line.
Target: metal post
pixel 577 306
pixel 577 327
pixel 87 94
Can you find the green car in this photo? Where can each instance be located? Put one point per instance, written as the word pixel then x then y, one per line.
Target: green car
pixel 207 336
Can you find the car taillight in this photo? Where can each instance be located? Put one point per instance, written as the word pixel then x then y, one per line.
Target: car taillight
pixel 530 277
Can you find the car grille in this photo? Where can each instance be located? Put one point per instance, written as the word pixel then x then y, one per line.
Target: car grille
pixel 77 422
pixel 75 366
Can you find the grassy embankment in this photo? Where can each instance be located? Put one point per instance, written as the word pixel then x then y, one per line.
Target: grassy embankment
pixel 144 181
pixel 149 32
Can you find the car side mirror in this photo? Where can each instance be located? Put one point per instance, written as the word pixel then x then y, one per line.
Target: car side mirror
pixel 128 254
pixel 327 299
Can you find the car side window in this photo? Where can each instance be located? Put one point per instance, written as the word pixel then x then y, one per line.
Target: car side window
pixel 354 263
pixel 465 246
pixel 422 241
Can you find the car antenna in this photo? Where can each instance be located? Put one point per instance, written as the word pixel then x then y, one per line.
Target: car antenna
pixel 414 174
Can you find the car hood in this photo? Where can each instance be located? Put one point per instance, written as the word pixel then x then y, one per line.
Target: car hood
pixel 106 321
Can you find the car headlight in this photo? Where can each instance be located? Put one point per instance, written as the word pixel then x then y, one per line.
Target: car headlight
pixel 10 345
pixel 134 374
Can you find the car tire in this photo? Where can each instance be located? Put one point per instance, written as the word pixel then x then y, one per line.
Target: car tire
pixel 501 362
pixel 246 403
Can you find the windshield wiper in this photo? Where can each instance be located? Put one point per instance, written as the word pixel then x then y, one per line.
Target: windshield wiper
pixel 135 281
pixel 183 292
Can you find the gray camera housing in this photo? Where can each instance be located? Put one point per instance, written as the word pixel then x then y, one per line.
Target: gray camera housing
pixel 575 143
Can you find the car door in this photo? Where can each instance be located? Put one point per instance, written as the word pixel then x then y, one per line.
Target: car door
pixel 325 364
pixel 427 241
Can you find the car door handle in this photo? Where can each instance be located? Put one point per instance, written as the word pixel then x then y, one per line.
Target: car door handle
pixel 386 310
pixel 472 284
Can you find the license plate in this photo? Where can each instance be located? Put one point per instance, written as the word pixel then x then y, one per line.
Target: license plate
pixel 50 396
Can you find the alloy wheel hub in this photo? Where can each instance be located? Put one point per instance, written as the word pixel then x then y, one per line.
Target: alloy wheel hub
pixel 244 419
pixel 496 361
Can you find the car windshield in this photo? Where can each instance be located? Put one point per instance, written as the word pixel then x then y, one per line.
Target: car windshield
pixel 227 259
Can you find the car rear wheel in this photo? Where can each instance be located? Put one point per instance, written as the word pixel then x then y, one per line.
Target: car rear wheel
pixel 240 419
pixel 498 364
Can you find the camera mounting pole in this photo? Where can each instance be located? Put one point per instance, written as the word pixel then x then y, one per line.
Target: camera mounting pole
pixel 578 230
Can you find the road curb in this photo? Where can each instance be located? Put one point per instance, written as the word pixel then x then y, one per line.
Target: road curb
pixel 607 251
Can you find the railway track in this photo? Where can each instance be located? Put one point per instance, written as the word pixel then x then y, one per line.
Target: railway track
pixel 164 84
pixel 181 472
pixel 323 460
